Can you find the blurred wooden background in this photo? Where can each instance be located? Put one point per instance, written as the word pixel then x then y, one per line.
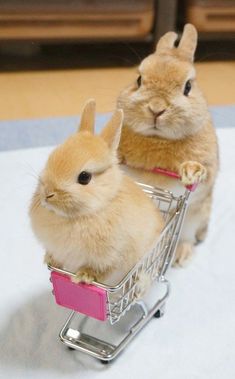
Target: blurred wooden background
pixel 54 55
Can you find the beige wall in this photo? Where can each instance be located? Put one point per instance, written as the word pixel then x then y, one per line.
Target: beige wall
pixel 60 93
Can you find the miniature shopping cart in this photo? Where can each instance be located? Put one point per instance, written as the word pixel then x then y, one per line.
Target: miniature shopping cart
pixel 122 314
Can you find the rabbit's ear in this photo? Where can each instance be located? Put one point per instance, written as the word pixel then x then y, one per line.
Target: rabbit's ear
pixel 188 42
pixel 87 122
pixel 112 131
pixel 166 42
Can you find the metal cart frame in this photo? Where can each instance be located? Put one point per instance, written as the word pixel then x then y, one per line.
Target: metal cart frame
pixel 121 297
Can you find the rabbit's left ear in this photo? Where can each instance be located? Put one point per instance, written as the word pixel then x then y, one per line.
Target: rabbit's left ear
pixel 87 122
pixel 112 131
pixel 188 42
pixel 166 43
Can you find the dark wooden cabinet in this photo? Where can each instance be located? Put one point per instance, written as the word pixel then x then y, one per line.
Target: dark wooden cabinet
pixel 84 20
pixel 212 15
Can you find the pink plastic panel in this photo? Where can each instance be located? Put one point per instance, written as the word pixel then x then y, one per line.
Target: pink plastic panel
pixel 172 174
pixel 81 297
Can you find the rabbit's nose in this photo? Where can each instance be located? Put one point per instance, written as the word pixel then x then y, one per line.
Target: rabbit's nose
pixel 156 114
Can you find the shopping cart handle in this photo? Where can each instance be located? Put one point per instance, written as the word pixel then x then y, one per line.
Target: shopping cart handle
pixel 172 174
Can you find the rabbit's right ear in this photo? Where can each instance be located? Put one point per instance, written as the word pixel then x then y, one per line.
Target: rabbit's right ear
pixel 112 131
pixel 166 42
pixel 87 122
pixel 188 42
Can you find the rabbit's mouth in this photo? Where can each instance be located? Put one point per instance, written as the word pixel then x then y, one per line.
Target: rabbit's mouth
pixel 156 127
pixel 53 208
pixel 158 123
pixel 159 129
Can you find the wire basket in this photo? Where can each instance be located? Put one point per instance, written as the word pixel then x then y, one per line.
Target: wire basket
pixel 110 303
pixel 119 298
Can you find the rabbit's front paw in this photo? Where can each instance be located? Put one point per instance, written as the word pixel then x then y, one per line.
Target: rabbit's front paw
pixel 201 233
pixel 183 254
pixel 143 284
pixel 192 172
pixel 85 275
pixel 50 261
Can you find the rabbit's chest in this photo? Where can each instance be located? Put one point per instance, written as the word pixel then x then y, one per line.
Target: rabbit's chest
pixel 79 245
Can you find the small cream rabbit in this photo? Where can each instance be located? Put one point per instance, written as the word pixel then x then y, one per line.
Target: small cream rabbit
pixel 167 125
pixel 90 218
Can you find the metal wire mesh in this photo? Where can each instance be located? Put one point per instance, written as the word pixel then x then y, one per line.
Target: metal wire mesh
pixel 156 262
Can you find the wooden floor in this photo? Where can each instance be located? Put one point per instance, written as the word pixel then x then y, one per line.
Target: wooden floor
pixel 61 93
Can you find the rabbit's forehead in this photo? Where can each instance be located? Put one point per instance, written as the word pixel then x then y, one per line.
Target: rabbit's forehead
pixel 166 70
pixel 71 158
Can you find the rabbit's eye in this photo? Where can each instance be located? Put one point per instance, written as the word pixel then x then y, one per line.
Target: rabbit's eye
pixel 139 81
pixel 84 177
pixel 187 87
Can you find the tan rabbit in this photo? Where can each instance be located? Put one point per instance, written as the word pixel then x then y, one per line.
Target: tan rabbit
pixel 90 218
pixel 167 125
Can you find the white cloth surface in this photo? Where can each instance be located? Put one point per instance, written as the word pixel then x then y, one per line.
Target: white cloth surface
pixel 195 338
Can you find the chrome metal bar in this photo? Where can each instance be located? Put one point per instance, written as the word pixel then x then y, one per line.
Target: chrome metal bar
pixel 104 350
pixel 177 231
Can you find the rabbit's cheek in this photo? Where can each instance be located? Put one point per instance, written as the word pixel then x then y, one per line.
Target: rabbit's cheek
pixel 182 103
pixel 136 96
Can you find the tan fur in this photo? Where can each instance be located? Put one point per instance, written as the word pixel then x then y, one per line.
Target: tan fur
pixel 94 229
pixel 181 139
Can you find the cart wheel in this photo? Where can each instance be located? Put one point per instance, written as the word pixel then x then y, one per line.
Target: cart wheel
pixel 104 362
pixel 159 313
